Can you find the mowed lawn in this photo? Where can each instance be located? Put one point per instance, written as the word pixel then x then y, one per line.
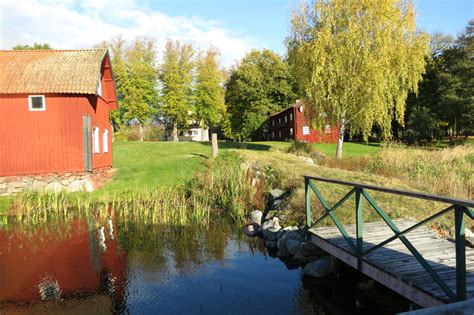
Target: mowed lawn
pixel 162 164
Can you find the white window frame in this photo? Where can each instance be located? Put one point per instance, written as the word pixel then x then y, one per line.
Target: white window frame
pixel 105 141
pixel 291 131
pixel 291 116
pixel 95 140
pixel 286 119
pixel 279 120
pixel 306 130
pixel 30 103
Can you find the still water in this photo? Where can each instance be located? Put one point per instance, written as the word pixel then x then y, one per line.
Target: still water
pixel 103 266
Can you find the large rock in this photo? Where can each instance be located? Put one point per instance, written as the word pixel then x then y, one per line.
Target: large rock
pixel 270 244
pixel 256 217
pixel 54 186
pixel 319 268
pixel 310 250
pixel 293 246
pixel 276 194
pixel 273 222
pixel 251 229
pixel 271 234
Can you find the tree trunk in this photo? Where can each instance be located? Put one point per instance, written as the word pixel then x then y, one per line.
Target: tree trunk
pixel 140 132
pixel 203 132
pixel 175 132
pixel 340 140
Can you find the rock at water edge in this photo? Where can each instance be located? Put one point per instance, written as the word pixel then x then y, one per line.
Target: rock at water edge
pixel 256 217
pixel 251 230
pixel 319 268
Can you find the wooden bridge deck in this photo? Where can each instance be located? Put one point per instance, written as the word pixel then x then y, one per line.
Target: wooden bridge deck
pixel 394 266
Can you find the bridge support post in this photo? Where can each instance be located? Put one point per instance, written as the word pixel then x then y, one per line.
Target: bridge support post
pixel 460 253
pixel 308 201
pixel 359 223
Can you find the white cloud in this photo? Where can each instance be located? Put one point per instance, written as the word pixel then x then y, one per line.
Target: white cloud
pixel 74 24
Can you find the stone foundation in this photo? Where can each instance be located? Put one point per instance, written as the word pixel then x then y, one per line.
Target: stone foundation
pixel 70 182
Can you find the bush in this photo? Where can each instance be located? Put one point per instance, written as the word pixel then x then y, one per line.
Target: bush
pixel 154 133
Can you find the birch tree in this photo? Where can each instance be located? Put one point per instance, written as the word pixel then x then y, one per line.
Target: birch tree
pixel 356 61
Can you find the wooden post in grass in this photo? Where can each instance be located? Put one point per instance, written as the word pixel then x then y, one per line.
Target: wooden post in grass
pixel 214 145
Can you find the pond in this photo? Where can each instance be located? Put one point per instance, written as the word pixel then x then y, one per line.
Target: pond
pixel 103 266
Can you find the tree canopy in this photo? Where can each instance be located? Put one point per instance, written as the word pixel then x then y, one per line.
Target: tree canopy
pixel 35 46
pixel 176 75
pixel 135 76
pixel 445 93
pixel 208 90
pixel 258 87
pixel 356 61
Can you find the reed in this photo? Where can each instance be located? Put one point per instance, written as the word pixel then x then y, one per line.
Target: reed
pixel 224 186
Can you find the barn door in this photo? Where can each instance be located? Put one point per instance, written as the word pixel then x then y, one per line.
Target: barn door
pixel 86 143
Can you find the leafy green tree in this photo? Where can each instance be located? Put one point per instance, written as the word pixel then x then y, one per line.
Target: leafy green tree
pixel 258 87
pixel 447 85
pixel 176 79
pixel 208 91
pixel 136 80
pixel 356 61
pixel 35 46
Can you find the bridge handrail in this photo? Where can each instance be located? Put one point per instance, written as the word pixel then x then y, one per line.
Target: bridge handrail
pixel 460 207
pixel 419 195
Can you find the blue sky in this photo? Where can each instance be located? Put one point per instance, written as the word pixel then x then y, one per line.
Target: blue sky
pixel 267 20
pixel 234 27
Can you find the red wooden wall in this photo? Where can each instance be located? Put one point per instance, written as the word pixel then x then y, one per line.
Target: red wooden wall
pixel 50 141
pixel 297 123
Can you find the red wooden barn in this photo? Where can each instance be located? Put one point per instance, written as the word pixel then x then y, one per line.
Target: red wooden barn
pixel 293 124
pixel 54 111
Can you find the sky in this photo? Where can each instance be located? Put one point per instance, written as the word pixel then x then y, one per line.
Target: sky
pixel 233 26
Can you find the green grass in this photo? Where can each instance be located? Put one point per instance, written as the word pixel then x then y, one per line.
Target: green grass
pixel 164 164
pixel 350 149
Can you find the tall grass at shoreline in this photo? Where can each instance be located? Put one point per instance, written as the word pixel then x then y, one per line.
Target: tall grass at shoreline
pixel 224 186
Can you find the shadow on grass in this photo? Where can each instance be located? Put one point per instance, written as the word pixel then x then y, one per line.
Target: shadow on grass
pixel 241 145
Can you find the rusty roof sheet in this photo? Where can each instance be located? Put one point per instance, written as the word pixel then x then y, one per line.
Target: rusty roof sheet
pixel 50 71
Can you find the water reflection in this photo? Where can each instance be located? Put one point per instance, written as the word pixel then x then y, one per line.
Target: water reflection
pixel 105 266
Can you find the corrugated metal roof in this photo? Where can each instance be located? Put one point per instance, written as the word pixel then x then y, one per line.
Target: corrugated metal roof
pixel 50 71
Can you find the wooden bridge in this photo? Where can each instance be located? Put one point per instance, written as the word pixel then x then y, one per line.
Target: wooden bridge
pixel 403 255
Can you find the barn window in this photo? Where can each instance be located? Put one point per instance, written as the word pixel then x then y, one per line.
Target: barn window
pixel 291 116
pixel 36 102
pixel 279 120
pixel 291 131
pixel 95 140
pixel 279 134
pixel 105 141
pixel 286 119
pixel 273 135
pixel 273 122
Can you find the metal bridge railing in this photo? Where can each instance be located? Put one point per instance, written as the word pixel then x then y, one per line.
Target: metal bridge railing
pixel 460 207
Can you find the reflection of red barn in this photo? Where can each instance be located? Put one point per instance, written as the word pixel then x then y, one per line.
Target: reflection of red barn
pixel 54 111
pixel 75 261
pixel 292 124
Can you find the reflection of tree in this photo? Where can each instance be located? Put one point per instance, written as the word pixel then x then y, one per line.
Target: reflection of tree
pixel 166 249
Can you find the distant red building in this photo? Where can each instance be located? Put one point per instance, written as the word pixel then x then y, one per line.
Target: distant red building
pixel 293 124
pixel 54 111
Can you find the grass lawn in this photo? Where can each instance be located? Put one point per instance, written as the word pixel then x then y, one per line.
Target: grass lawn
pixel 163 164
